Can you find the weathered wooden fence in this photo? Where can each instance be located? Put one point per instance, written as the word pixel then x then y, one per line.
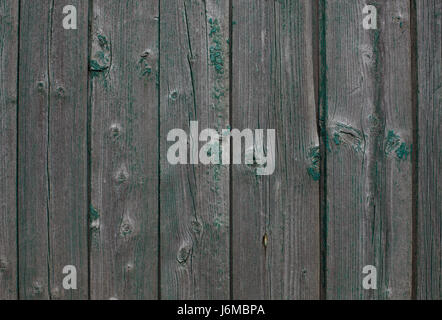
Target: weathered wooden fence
pixel 84 178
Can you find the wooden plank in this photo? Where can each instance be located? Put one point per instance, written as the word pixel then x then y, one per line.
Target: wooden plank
pixel 429 213
pixel 124 150
pixel 52 150
pixel 276 217
pixel 367 111
pixel 8 150
pixel 194 82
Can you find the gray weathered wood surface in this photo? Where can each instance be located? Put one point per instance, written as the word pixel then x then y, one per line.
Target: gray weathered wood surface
pixel 8 147
pixel 429 152
pixel 367 113
pixel 194 199
pixel 52 153
pixel 84 176
pixel 276 218
pixel 124 150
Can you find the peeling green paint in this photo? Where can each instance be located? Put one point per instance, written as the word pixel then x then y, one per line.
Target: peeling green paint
pixel 315 158
pixel 403 151
pixel 96 66
pixel 94 218
pixel 101 58
pixel 217 93
pixel 394 143
pixel 94 215
pixel 144 69
pixel 216 53
pixel 102 40
pixel 337 139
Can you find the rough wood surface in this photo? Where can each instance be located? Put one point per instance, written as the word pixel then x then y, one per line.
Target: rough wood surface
pixel 367 112
pixel 8 148
pixel 124 150
pixel 52 150
pixel 429 154
pixel 194 86
pixel 84 175
pixel 276 218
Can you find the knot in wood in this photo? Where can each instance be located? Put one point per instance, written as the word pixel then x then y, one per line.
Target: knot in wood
pixel 115 130
pixel 183 254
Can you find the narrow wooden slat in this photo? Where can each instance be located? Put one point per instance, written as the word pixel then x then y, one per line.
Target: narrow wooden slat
pixel 124 150
pixel 52 150
pixel 367 111
pixel 429 213
pixel 276 217
pixel 194 86
pixel 8 148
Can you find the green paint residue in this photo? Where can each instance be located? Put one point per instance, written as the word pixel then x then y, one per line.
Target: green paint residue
pixel 218 223
pixel 94 219
pixel 394 143
pixel 94 215
pixel 337 139
pixel 94 74
pixel 216 177
pixel 403 151
pixel 216 52
pixel 101 59
pixel 314 170
pixel 102 41
pixel 314 174
pixel 95 66
pixel 173 95
pixel 398 19
pixel 214 26
pixel 144 69
pixel 217 93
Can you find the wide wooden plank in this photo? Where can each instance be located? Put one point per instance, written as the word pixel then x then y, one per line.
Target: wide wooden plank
pixel 52 150
pixel 194 86
pixel 276 217
pixel 366 108
pixel 429 155
pixel 124 150
pixel 8 148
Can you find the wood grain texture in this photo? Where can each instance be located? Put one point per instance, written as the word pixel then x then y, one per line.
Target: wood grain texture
pixel 124 150
pixel 84 174
pixel 52 150
pixel 367 111
pixel 8 148
pixel 194 86
pixel 429 213
pixel 276 217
